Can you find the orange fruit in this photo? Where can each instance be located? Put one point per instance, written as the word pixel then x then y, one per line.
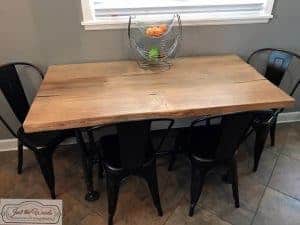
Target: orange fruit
pixel 164 27
pixel 156 31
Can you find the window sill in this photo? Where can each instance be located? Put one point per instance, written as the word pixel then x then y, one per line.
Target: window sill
pixel 112 23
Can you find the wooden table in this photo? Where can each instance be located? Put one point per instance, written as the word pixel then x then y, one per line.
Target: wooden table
pixel 83 95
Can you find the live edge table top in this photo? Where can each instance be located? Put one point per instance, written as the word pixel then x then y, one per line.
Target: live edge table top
pixel 84 95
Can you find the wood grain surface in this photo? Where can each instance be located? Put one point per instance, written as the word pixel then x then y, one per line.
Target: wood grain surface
pixel 83 95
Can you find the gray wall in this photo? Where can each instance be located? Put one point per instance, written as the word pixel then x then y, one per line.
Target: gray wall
pixel 48 32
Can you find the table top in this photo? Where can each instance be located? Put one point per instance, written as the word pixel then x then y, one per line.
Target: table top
pixel 83 95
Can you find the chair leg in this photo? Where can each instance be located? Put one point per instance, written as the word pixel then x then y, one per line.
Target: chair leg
pixel 113 185
pixel 260 140
pixel 20 156
pixel 197 182
pixel 235 185
pixel 273 131
pixel 44 158
pixel 150 175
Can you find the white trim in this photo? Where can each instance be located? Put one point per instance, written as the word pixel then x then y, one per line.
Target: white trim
pixel 87 10
pixel 11 144
pixel 209 14
pixel 187 20
pixel 269 6
pixel 8 145
pixel 289 117
pixel 127 7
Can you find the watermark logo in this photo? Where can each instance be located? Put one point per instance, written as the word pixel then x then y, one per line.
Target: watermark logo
pixel 30 211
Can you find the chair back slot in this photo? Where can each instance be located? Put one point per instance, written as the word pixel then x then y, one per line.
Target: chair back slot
pixel 135 143
pixel 278 64
pixel 13 91
pixel 233 129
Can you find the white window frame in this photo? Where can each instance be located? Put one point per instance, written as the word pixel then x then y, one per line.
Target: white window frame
pixel 212 14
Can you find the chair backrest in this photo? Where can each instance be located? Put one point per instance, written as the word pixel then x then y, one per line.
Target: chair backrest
pixel 135 143
pixel 233 129
pixel 276 66
pixel 14 93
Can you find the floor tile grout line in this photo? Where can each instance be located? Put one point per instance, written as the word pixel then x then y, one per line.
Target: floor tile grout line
pixel 215 214
pixel 283 193
pixel 289 156
pixel 79 222
pixel 280 153
pixel 201 208
pixel 171 214
pixel 263 193
pixel 99 214
pixel 173 211
pixel 265 189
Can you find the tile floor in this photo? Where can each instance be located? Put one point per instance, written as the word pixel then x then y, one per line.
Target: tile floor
pixel 269 197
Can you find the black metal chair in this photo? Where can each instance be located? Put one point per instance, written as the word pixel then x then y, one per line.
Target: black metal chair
pixel 209 146
pixel 131 152
pixel 42 144
pixel 275 67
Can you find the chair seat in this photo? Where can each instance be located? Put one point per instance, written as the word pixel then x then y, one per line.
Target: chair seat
pixel 204 142
pixel 111 151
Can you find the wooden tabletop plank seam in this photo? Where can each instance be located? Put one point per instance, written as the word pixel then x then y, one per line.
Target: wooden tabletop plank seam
pixel 89 94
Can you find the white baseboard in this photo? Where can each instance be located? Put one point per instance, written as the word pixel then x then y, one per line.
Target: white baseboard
pixel 8 144
pixel 11 144
pixel 288 117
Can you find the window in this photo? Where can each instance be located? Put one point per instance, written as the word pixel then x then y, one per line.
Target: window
pixel 111 14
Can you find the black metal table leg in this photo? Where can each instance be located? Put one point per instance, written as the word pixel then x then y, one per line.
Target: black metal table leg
pixel 93 150
pixel 87 162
